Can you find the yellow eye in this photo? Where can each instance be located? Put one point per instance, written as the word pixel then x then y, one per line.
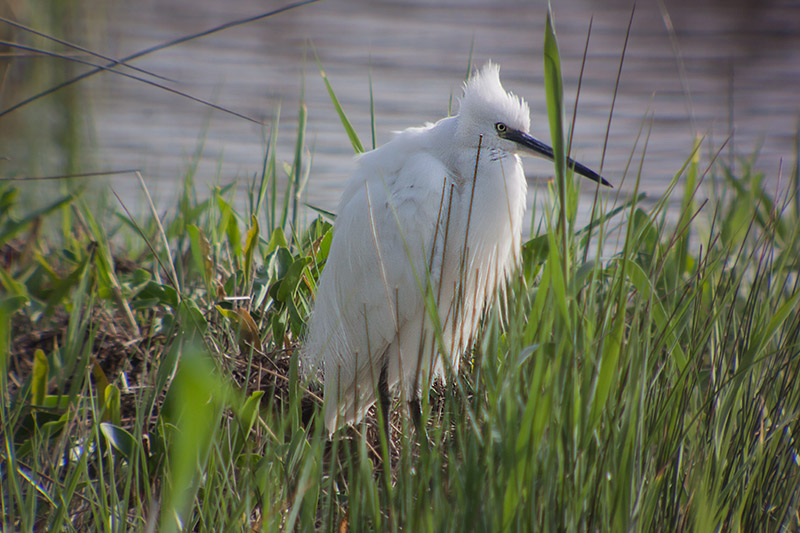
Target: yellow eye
pixel 500 127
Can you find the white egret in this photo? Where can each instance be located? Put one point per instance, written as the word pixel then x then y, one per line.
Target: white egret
pixel 428 227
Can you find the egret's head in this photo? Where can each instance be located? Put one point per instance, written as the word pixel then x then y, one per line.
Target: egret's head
pixel 487 109
pixel 503 119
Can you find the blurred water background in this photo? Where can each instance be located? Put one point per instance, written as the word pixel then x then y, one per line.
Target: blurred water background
pixel 728 71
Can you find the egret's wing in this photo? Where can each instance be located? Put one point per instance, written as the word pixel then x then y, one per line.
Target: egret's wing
pixel 375 279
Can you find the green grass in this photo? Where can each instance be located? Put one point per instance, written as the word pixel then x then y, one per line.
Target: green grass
pixel 154 386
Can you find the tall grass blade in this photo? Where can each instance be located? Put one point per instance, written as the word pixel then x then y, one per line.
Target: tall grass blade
pixel 358 148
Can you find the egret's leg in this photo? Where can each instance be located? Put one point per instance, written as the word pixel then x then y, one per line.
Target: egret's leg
pixel 416 413
pixel 416 416
pixel 385 401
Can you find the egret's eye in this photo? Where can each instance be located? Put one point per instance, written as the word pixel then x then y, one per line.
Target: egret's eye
pixel 500 127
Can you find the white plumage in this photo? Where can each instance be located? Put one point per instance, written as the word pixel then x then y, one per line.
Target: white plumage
pixel 414 245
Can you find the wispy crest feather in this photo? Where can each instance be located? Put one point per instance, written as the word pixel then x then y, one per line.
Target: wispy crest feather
pixel 484 95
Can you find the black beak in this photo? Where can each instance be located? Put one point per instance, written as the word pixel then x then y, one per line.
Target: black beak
pixel 538 148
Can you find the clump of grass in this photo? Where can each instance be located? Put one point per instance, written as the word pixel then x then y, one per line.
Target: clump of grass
pixel 156 386
pixel 657 387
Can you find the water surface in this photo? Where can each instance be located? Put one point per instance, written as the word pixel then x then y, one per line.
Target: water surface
pixel 730 72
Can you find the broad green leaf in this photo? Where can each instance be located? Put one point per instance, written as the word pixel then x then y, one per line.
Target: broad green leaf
pixel 41 371
pixel 245 326
pixel 112 406
pixel 11 229
pixel 251 243
pixel 277 240
pixel 292 278
pixel 325 246
pixel 234 235
pixel 248 413
pixel 201 252
pixel 163 294
pixel 12 304
pixel 120 439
